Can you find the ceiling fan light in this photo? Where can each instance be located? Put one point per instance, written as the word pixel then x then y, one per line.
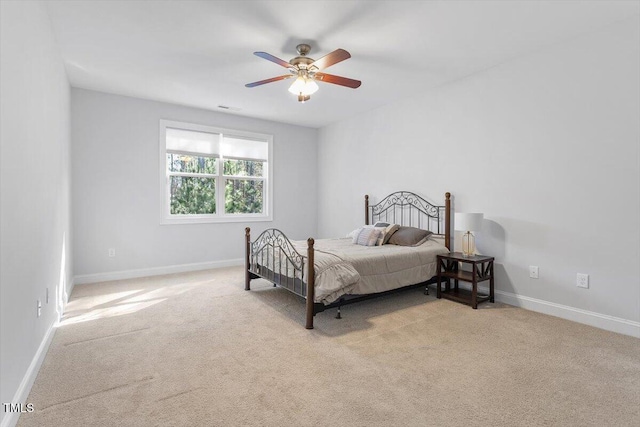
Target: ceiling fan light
pixel 303 85
pixel 298 85
pixel 310 87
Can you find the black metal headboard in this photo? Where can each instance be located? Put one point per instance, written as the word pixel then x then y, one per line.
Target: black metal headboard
pixel 409 209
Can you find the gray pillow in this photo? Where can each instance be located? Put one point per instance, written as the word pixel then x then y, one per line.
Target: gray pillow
pixel 409 236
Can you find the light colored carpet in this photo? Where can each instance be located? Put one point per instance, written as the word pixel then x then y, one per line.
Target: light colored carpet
pixel 197 350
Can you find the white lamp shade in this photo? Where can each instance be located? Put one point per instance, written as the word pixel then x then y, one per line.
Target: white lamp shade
pixel 304 86
pixel 468 221
pixel 298 85
pixel 310 87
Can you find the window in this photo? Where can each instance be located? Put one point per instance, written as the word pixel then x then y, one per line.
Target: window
pixel 214 175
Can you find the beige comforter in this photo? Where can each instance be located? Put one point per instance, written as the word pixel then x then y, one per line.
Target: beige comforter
pixel 346 268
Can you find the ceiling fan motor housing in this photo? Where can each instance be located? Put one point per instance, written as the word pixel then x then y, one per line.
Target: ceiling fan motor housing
pixel 302 62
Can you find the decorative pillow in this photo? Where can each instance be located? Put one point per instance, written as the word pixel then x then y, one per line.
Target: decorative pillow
pixel 388 232
pixel 381 224
pixel 409 236
pixel 368 236
pixel 355 233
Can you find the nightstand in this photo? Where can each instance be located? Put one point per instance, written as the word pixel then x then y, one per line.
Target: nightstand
pixel 451 266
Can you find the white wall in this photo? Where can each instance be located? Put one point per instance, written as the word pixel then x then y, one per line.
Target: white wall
pixel 116 189
pixel 547 146
pixel 35 191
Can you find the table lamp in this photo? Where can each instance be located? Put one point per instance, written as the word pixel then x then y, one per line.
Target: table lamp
pixel 468 222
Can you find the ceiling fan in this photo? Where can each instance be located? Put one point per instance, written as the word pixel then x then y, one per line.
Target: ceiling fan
pixel 307 71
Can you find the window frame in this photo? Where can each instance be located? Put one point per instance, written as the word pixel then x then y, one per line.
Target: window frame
pixel 220 216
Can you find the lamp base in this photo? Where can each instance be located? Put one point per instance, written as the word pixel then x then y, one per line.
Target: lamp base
pixel 468 244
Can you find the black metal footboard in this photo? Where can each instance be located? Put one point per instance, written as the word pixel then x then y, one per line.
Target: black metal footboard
pixel 273 257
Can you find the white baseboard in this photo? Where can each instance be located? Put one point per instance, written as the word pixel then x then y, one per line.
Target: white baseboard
pixel 22 393
pixel 154 271
pixel 602 321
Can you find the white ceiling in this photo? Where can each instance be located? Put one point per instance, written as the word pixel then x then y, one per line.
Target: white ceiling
pixel 200 53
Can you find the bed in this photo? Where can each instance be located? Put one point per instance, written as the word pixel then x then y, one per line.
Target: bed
pixel 330 273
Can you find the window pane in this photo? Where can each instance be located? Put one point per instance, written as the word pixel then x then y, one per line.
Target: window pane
pixel 243 168
pixel 243 196
pixel 191 195
pixel 191 164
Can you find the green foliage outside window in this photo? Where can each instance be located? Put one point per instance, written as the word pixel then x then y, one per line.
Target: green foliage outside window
pixel 243 196
pixel 242 168
pixel 192 195
pixel 192 164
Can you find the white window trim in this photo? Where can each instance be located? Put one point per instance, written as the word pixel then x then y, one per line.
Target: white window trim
pixel 167 218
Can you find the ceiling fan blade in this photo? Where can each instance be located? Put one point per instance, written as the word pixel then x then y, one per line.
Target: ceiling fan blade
pixel 330 59
pixel 273 79
pixel 337 80
pixel 272 58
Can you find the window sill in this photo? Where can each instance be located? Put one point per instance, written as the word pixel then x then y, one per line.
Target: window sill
pixel 216 220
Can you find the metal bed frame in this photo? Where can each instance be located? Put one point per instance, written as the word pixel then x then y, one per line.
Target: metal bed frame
pixel 273 257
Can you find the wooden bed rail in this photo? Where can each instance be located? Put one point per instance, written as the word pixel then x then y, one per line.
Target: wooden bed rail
pixel 311 283
pixel 366 209
pixel 447 220
pixel 247 266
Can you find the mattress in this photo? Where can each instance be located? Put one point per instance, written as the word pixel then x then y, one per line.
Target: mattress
pixel 346 268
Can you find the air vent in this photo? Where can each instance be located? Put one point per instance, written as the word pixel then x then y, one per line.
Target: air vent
pixel 228 108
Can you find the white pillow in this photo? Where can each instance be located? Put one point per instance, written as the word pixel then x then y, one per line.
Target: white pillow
pixel 355 233
pixel 381 237
pixel 368 236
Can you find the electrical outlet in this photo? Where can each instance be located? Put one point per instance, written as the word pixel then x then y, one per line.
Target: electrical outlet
pixel 582 280
pixel 112 252
pixel 39 312
pixel 533 271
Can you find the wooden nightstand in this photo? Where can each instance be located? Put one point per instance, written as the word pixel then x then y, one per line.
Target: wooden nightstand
pixel 450 267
